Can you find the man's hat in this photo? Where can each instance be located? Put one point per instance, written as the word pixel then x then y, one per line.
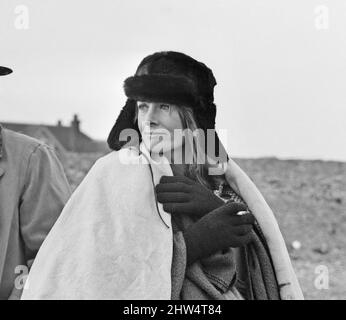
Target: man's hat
pixel 170 77
pixel 5 71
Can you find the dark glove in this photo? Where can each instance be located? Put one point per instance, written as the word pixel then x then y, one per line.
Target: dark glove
pixel 218 230
pixel 181 195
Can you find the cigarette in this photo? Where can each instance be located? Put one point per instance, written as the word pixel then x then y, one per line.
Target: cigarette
pixel 240 213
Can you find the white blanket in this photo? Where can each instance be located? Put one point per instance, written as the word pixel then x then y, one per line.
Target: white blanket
pixel 111 243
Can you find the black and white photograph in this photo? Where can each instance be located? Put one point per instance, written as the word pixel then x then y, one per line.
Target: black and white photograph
pixel 172 150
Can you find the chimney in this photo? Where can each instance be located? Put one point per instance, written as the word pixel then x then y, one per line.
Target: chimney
pixel 75 123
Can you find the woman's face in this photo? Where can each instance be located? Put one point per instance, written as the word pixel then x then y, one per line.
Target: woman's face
pixel 157 122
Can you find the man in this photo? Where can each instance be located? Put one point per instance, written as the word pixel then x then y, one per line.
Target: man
pixel 33 192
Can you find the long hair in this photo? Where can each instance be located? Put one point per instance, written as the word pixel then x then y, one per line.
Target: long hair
pixel 195 170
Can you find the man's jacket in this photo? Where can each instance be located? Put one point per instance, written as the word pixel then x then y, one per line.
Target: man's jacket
pixel 33 192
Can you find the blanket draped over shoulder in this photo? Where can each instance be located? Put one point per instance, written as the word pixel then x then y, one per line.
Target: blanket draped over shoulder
pixel 233 274
pixel 109 241
pixel 113 240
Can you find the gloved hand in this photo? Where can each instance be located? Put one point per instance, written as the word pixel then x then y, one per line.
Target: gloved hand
pixel 182 195
pixel 218 230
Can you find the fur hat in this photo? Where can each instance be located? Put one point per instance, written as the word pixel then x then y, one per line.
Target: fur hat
pixel 5 71
pixel 170 77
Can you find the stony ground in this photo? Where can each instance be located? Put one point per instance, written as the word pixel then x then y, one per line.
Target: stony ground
pixel 309 201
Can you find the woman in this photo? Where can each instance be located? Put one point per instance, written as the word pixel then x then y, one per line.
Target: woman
pixel 150 220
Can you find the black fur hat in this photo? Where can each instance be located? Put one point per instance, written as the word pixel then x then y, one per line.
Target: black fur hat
pixel 170 77
pixel 5 71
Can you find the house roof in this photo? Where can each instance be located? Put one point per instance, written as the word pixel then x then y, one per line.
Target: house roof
pixel 71 138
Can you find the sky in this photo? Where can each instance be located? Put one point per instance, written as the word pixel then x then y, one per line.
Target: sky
pixel 280 66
